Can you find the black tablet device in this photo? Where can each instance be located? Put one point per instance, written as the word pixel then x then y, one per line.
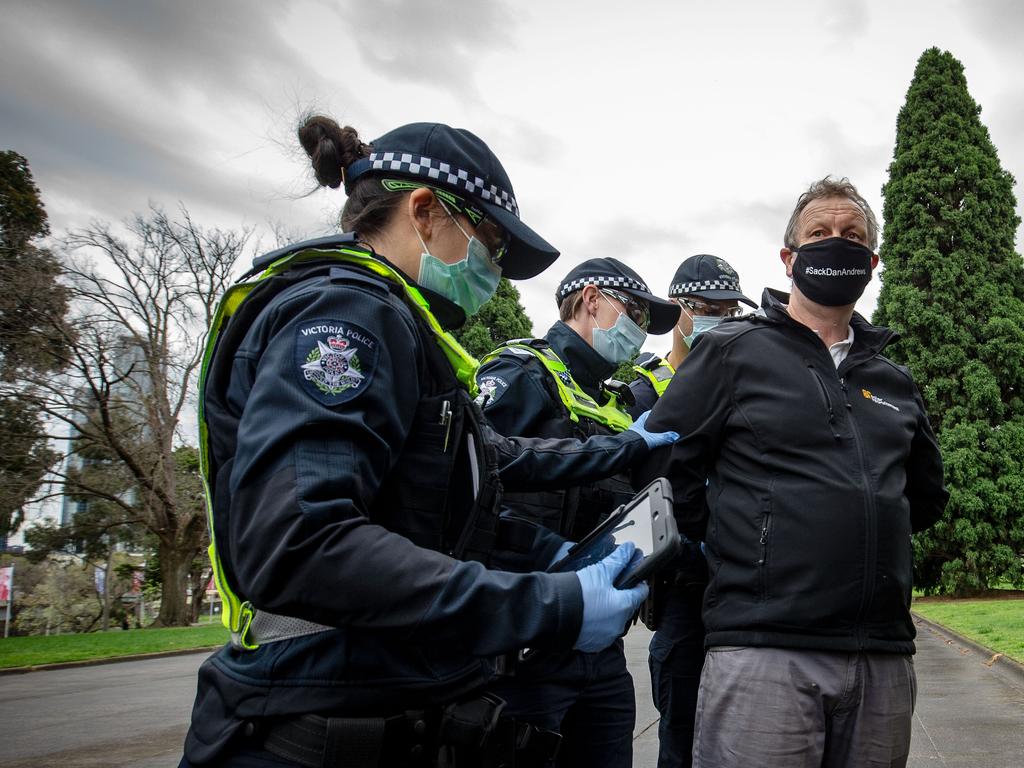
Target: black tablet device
pixel 647 521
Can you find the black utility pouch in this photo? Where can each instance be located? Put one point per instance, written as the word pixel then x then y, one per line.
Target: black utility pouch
pixel 469 723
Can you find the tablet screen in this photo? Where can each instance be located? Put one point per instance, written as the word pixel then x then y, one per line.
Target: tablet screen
pixel 636 527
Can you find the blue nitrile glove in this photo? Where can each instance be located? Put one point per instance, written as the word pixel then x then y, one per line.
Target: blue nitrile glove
pixel 653 439
pixel 607 610
pixel 562 552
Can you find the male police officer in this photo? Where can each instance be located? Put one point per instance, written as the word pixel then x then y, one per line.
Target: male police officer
pixel 554 387
pixel 707 290
pixel 819 463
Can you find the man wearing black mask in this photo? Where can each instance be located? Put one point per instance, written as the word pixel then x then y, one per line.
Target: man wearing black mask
pixel 805 464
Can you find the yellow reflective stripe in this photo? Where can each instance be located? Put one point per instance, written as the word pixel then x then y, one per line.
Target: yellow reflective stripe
pixel 659 377
pixel 231 604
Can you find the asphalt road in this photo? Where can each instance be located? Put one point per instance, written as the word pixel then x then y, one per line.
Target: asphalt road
pixel 134 714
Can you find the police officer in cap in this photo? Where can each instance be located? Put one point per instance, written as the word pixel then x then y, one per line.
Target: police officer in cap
pixel 707 290
pixel 354 486
pixel 555 387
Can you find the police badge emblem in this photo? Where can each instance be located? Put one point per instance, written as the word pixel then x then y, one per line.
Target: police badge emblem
pixel 335 359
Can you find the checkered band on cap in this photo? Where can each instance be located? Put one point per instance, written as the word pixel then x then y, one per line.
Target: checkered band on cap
pixel 682 289
pixel 418 165
pixel 601 281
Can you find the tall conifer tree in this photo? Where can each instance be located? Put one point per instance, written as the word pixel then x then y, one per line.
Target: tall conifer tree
pixel 953 286
pixel 500 319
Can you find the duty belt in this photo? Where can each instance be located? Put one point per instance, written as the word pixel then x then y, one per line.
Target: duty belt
pixel 472 732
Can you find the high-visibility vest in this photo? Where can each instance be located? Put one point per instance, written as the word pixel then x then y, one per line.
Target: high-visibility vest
pixel 657 371
pixel 238 613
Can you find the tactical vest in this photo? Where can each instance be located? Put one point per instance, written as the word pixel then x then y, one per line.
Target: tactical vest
pixel 657 371
pixel 572 512
pixel 428 496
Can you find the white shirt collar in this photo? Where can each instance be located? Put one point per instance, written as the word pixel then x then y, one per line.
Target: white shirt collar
pixel 841 349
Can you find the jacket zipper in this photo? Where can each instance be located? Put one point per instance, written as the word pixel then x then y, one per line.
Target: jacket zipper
pixel 828 401
pixel 762 563
pixel 870 515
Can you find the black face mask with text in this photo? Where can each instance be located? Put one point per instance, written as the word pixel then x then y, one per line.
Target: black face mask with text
pixel 832 272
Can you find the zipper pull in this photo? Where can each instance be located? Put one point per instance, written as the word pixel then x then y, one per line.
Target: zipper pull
pixel 446 422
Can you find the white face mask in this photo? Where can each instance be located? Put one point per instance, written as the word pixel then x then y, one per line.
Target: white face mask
pixel 700 325
pixel 469 282
pixel 621 342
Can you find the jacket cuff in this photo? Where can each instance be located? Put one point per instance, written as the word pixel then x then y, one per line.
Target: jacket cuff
pixel 570 610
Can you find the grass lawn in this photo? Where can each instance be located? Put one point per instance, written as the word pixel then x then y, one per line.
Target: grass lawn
pixel 30 651
pixel 993 622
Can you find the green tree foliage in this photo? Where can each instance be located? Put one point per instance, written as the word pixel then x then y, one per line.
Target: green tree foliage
pixel 500 319
pixel 953 286
pixel 30 294
pixel 24 458
pixel 32 304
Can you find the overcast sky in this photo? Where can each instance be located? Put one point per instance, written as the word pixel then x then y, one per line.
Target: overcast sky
pixel 647 130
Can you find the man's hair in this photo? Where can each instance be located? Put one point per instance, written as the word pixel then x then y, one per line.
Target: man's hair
pixel 829 187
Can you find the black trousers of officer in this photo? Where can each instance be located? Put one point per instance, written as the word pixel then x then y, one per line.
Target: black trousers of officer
pixel 587 697
pixel 676 660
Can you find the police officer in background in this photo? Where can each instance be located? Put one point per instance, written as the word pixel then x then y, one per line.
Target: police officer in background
pixel 555 387
pixel 707 290
pixel 354 485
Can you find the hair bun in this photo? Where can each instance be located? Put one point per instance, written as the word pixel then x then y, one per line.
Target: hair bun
pixel 330 147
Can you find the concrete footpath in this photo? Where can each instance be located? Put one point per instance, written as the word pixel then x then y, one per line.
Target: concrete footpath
pixel 970 711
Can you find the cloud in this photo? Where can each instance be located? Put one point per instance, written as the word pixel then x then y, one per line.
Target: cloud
pixel 847 19
pixel 116 103
pixel 436 42
pixel 171 46
pixel 511 135
pixel 620 236
pixel 999 23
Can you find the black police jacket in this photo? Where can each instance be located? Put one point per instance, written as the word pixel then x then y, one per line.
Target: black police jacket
pixel 816 479
pixel 524 401
pixel 305 510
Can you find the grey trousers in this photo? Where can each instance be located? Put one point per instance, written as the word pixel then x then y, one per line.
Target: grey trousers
pixel 785 708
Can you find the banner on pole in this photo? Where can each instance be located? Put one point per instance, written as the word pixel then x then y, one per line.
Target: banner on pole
pixel 100 578
pixel 6 579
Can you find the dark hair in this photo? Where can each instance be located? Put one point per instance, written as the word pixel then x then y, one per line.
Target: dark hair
pixel 830 187
pixel 332 149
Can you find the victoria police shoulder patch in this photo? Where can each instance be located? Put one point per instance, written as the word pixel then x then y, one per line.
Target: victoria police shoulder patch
pixel 335 359
pixel 491 389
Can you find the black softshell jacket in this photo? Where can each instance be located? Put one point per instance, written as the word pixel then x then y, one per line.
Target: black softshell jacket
pixel 805 482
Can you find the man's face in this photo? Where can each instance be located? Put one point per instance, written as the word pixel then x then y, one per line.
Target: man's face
pixel 698 306
pixel 828 217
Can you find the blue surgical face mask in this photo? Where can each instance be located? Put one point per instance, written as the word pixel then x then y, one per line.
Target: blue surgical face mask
pixel 700 325
pixel 621 342
pixel 469 282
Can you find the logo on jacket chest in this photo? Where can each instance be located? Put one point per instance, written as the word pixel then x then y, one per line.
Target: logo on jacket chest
pixel 335 359
pixel 878 400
